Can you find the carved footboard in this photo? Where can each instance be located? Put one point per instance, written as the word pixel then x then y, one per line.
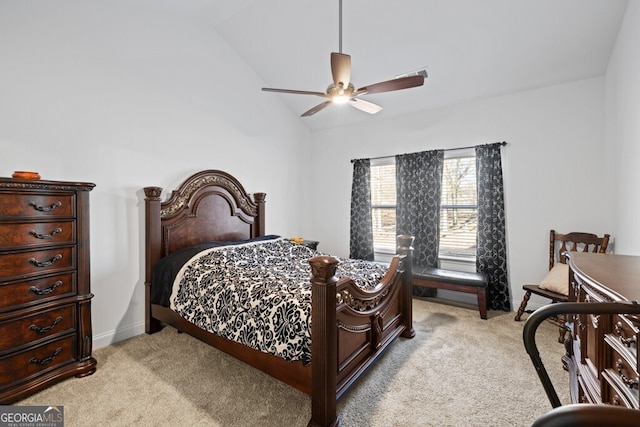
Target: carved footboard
pixel 352 327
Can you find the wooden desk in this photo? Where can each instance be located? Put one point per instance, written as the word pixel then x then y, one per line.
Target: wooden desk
pixel 602 351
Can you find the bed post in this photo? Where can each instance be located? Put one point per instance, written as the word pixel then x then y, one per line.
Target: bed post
pixel 258 228
pixel 153 244
pixel 405 250
pixel 324 342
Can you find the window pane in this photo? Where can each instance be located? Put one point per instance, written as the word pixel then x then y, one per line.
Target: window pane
pixel 384 227
pixel 383 185
pixel 458 232
pixel 459 182
pixel 383 203
pixel 458 211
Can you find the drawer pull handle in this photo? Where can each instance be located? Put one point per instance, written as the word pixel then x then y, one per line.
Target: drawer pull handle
pixel 45 236
pixel 47 359
pixel 45 208
pixel 46 328
pixel 619 366
pixel 45 263
pixel 624 340
pixel 629 382
pixel 628 341
pixel 46 290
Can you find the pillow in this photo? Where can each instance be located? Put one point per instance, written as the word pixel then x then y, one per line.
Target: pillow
pixel 557 279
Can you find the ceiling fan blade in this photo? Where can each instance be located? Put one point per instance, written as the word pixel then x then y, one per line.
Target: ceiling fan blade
pixel 296 92
pixel 366 106
pixel 391 85
pixel 316 109
pixel 340 69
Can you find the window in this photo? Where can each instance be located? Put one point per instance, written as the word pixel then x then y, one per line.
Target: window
pixel 383 204
pixel 458 210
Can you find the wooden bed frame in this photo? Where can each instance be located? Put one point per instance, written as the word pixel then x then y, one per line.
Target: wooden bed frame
pixel 351 327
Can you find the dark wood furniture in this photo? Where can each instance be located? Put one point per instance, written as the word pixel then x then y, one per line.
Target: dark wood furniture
pixel 351 327
pixel 312 244
pixel 589 416
pixel 558 245
pixel 45 297
pixel 459 281
pixel 602 357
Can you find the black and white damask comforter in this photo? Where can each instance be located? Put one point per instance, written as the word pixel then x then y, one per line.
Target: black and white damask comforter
pixel 258 294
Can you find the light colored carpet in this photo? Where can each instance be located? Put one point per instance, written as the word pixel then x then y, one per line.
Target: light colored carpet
pixel 458 370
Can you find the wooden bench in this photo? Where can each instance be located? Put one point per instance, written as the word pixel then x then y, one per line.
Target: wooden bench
pixel 459 281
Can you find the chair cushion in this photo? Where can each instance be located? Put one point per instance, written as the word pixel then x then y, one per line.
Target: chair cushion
pixel 450 276
pixel 557 279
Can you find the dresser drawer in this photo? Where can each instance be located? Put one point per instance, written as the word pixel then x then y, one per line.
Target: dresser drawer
pixel 19 367
pixel 29 292
pixel 27 205
pixel 621 375
pixel 15 235
pixel 16 264
pixel 626 334
pixel 617 392
pixel 627 371
pixel 24 330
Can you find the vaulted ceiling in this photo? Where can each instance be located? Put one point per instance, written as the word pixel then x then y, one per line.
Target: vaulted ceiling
pixel 471 48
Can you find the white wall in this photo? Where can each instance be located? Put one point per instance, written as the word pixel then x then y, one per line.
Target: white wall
pixel 623 132
pixel 552 165
pixel 126 97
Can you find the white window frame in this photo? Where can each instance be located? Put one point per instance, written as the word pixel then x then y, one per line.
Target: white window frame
pixel 383 252
pixel 456 154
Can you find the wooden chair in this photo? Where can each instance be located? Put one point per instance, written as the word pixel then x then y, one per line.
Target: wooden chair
pixel 555 285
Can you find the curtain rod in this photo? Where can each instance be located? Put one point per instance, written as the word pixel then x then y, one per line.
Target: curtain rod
pixel 503 143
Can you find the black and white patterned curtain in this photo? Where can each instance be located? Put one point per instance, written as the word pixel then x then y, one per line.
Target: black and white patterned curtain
pixel 418 191
pixel 491 256
pixel 361 240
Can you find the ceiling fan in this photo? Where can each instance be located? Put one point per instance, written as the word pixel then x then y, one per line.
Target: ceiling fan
pixel 342 91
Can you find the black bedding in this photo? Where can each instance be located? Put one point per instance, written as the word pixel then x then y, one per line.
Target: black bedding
pixel 167 268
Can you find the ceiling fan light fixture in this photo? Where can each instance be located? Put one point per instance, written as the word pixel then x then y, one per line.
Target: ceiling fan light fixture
pixel 340 99
pixel 339 94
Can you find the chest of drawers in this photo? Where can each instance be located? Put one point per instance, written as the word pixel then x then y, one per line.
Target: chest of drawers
pixel 603 361
pixel 45 295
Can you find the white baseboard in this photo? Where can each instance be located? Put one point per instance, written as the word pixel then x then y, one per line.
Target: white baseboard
pixel 112 337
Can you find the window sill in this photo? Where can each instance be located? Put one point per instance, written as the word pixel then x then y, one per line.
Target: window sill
pixel 384 251
pixel 458 259
pixel 465 262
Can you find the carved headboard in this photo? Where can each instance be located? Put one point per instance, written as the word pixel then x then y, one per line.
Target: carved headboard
pixel 208 206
